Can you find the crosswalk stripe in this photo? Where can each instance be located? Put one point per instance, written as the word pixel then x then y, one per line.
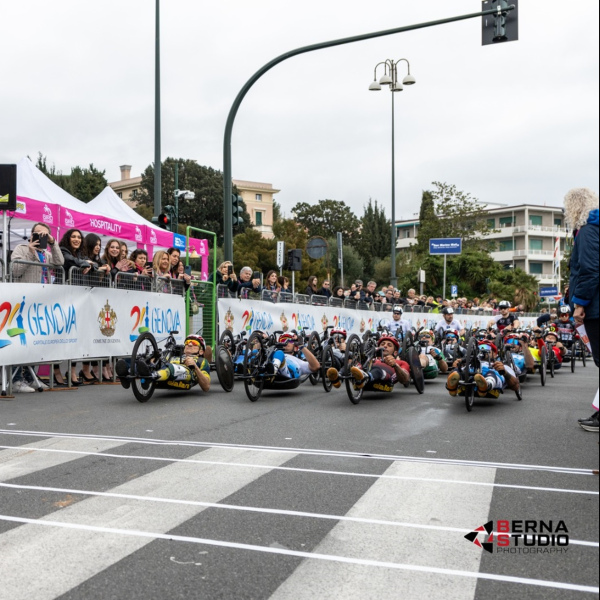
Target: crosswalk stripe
pixel 30 554
pixel 309 555
pixel 473 482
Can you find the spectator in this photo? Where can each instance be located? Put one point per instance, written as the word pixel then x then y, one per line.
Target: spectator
pixel 161 264
pixel 142 267
pixel 71 246
pixel 226 276
pixel 388 297
pixel 311 288
pixel 367 294
pixel 31 252
pixel 112 258
pixel 284 283
pixel 412 298
pixel 326 289
pixel 249 281
pixel 124 250
pixel 92 244
pixel 581 213
pixel 338 292
pixel 174 257
pixel 272 282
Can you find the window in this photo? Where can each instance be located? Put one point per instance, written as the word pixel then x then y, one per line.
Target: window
pixel 536 268
pixel 536 244
pixel 258 217
pixel 558 222
pixel 491 223
pixel 258 197
pixel 120 194
pixel 507 266
pixel 406 233
pixel 535 220
pixel 505 245
pixel 506 222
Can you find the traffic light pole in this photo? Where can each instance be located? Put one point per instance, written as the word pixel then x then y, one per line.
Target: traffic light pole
pixel 227 183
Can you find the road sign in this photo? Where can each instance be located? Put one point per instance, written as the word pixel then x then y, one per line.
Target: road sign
pixel 280 254
pixel 445 246
pixel 454 291
pixel 316 247
pixel 547 292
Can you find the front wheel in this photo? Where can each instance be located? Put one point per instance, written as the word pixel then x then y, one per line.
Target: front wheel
pixel 416 370
pixel 146 349
pixel 469 397
pixel 353 358
pixel 226 341
pixel 543 361
pixel 314 345
pixel 224 368
pixel 326 364
pixel 254 359
pixel 573 355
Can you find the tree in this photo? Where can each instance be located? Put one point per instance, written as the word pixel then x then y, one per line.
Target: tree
pixel 428 222
pixel 84 184
pixel 374 240
pixel 206 210
pixel 327 217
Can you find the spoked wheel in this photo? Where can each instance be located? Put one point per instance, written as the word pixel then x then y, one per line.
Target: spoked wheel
pixel 146 349
pixel 543 361
pixel 470 360
pixel 416 370
pixel 226 341
pixel 224 368
pixel 469 397
pixel 314 345
pixel 326 363
pixel 573 355
pixel 552 359
pixel 352 358
pixel 254 359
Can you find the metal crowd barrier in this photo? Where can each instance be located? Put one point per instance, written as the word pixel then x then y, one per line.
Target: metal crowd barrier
pixel 48 273
pixel 133 281
pixel 93 278
pixel 2 272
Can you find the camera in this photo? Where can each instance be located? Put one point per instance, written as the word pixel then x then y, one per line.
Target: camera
pixel 184 194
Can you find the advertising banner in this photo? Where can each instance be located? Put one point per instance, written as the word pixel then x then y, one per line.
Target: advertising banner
pixel 40 323
pixel 249 315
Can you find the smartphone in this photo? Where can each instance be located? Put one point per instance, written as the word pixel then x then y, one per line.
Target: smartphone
pixel 188 270
pixel 42 239
pixel 229 269
pixel 256 275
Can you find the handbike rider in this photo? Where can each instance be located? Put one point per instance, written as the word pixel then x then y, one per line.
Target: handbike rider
pixel 506 319
pixel 286 362
pixel 385 371
pixel 448 322
pixel 433 360
pixel 182 372
pixel 397 323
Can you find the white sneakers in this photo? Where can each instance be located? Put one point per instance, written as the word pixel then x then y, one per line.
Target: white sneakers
pixel 22 388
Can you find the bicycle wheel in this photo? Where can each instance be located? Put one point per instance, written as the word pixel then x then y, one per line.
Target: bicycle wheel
pixel 254 358
pixel 469 372
pixel 353 358
pixel 314 345
pixel 226 341
pixel 146 349
pixel 416 370
pixel 573 355
pixel 551 359
pixel 326 363
pixel 543 364
pixel 469 397
pixel 224 368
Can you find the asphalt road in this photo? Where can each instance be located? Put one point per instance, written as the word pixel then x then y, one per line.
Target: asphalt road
pixel 299 495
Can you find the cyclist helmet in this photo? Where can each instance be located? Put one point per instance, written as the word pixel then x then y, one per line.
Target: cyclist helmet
pixel 397 309
pixel 286 338
pixel 504 304
pixel 389 338
pixel 426 333
pixel 195 340
pixel 565 309
pixel 551 331
pixel 487 346
pixel 512 340
pixel 451 334
pixel 447 310
pixel 339 331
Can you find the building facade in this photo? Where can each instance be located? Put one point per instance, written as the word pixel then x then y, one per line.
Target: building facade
pixel 525 237
pixel 257 196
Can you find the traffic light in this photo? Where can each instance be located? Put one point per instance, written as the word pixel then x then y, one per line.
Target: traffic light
pixel 294 260
pixel 503 25
pixel 164 221
pixel 236 211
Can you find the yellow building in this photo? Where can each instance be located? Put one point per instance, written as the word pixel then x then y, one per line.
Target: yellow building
pixel 257 196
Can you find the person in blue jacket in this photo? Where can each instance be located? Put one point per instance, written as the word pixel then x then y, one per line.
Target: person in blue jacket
pixel 581 214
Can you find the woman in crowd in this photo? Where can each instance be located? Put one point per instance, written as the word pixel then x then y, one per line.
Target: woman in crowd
pixel 124 250
pixel 272 282
pixel 71 246
pixel 92 244
pixel 311 288
pixel 112 258
pixel 142 268
pixel 284 284
pixel 174 258
pixel 226 276
pixel 338 292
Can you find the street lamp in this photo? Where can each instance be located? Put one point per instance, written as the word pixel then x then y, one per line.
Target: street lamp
pixel 390 78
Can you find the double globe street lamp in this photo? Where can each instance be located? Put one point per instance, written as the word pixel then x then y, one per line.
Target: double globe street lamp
pixel 390 78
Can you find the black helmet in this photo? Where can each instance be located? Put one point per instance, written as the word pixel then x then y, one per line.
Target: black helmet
pixel 565 309
pixel 504 304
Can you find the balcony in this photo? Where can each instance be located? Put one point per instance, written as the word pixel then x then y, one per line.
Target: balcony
pixel 538 230
pixel 537 254
pixel 402 243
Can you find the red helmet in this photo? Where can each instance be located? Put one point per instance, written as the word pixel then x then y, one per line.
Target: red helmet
pixel 488 343
pixel 389 338
pixel 286 338
pixel 198 339
pixel 339 331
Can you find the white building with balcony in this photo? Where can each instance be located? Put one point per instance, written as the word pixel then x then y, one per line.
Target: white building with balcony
pixel 524 235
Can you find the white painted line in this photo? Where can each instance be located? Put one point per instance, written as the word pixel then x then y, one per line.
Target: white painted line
pixel 271 511
pixel 308 451
pixel 319 471
pixel 309 555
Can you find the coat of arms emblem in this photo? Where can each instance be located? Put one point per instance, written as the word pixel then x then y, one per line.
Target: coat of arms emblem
pixel 107 319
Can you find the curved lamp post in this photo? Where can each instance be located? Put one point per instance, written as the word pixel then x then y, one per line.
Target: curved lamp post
pixel 390 78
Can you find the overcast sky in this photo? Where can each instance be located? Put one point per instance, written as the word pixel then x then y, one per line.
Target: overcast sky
pixel 510 123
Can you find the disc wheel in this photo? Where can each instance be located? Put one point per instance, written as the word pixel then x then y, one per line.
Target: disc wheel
pixel 224 368
pixel 543 364
pixel 314 345
pixel 146 349
pixel 226 341
pixel 353 358
pixel 416 370
pixel 326 363
pixel 254 358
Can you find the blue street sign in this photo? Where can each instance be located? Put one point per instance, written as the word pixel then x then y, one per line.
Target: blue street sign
pixel 445 246
pixel 454 290
pixel 546 292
